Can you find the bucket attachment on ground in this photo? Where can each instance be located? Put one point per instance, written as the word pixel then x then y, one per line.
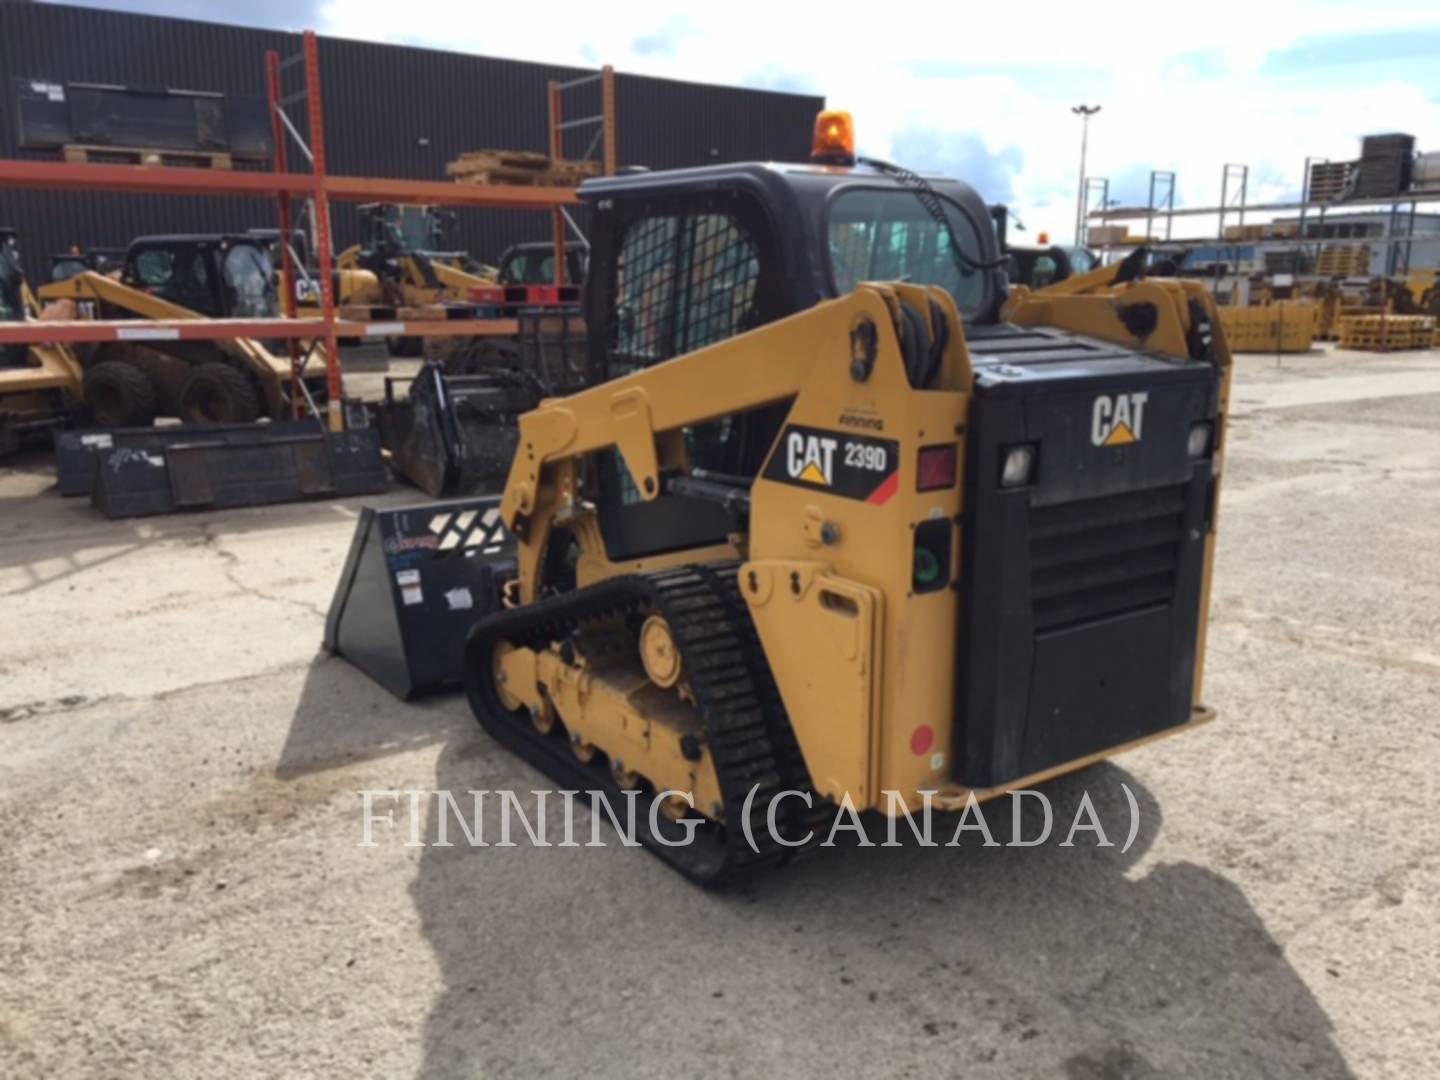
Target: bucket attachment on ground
pixel 455 434
pixel 217 467
pixel 78 452
pixel 415 581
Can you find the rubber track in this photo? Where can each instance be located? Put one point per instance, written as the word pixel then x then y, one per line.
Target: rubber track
pixel 746 729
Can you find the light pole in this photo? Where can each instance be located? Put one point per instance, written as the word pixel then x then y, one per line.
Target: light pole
pixel 1084 112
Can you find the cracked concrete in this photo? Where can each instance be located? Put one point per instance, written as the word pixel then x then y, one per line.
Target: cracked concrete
pixel 184 893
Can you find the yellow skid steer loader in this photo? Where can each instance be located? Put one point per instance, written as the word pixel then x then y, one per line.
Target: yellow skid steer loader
pixel 825 527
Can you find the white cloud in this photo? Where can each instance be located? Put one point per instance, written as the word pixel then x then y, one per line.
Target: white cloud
pixel 1182 88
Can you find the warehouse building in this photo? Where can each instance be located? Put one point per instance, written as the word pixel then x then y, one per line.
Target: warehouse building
pixel 389 111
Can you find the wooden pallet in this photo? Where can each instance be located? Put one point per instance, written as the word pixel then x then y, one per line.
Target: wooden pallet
pixel 1384 333
pixel 421 313
pixel 1330 180
pixel 132 155
pixel 1343 261
pixel 486 159
pixel 523 167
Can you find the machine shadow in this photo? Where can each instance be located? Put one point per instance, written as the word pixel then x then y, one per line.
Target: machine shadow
pixel 1165 972
pixel 334 725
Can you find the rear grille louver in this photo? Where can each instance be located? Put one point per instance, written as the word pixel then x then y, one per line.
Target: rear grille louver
pixel 1102 557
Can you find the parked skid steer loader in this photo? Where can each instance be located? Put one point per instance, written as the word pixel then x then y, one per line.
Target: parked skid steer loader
pixel 825 524
pixel 40 384
pixel 238 380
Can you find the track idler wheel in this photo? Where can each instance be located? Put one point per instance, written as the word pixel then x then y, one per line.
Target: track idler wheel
pixel 658 652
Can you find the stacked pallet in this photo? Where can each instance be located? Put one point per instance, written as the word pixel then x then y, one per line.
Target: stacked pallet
pixel 1382 333
pixel 1344 260
pixel 518 167
pixel 1331 181
pixel 1105 235
pixel 1334 309
pixel 1385 162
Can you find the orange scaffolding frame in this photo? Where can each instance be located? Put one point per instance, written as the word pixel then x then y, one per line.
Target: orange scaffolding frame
pixel 604 140
pixel 316 185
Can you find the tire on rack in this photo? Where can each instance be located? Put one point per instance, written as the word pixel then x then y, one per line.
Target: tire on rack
pixel 119 394
pixel 408 347
pixel 216 393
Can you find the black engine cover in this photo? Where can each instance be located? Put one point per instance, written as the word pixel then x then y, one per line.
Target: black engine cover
pixel 1081 606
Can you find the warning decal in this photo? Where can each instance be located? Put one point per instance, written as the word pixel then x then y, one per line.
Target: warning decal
pixel 852 466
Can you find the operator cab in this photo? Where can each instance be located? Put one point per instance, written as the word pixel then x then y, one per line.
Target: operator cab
pixel 688 258
pixel 217 276
pixel 399 229
pixel 683 259
pixel 1037 265
pixel 392 230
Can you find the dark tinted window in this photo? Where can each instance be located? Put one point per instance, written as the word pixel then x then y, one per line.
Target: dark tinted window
pixel 155 267
pixel 888 235
pixel 250 282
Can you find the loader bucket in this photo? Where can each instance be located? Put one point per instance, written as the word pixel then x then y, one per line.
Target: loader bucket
pixel 454 434
pixel 78 452
pixel 415 581
pixel 217 467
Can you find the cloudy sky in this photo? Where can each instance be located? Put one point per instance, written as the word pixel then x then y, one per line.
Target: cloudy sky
pixel 984 91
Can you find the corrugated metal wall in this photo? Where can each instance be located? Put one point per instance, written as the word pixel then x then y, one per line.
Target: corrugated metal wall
pixel 389 111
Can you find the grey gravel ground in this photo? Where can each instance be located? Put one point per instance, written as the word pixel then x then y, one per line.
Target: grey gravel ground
pixel 183 894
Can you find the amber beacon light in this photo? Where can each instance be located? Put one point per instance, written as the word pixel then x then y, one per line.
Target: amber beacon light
pixel 834 142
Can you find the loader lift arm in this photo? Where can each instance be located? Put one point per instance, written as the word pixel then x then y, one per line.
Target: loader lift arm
pixel 634 413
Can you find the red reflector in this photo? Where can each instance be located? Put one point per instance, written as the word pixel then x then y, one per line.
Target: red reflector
pixel 921 739
pixel 937 467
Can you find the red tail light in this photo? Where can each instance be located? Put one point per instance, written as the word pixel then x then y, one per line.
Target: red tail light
pixel 937 467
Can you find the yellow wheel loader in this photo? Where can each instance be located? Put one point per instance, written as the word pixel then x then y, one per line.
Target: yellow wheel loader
pixel 399 246
pixel 129 384
pixel 402 243
pixel 827 530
